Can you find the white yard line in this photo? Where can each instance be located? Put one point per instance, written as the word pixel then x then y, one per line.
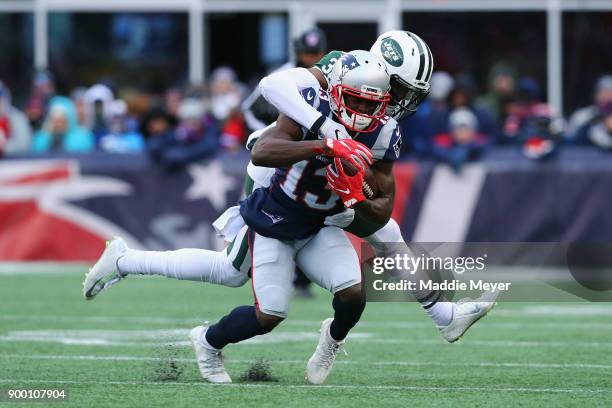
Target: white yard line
pixel 177 337
pixel 306 323
pixel 318 387
pixel 128 358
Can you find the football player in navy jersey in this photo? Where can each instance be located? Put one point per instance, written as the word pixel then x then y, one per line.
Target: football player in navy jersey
pixel 286 222
pixel 408 61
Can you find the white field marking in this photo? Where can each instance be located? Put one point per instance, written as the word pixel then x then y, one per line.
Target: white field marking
pixel 41 268
pixel 147 337
pixel 318 387
pixel 566 310
pixel 306 323
pixel 347 362
pixel 177 337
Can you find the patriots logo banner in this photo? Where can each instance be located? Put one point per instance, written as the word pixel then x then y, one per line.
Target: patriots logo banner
pixel 64 209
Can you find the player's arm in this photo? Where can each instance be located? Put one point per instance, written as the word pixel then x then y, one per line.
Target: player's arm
pixel 282 145
pixel 282 89
pixel 379 209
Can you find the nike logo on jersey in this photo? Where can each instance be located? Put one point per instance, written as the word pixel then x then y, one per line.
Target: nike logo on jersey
pixel 274 218
pixel 310 96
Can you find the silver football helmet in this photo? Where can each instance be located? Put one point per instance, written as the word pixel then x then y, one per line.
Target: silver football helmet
pixel 359 90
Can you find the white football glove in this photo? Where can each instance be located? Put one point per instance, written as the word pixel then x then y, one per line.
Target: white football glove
pixel 342 219
pixel 333 130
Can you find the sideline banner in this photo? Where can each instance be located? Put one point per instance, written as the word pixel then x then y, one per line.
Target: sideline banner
pixel 64 208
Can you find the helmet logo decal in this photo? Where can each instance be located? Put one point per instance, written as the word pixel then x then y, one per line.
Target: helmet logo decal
pixel 348 62
pixel 392 52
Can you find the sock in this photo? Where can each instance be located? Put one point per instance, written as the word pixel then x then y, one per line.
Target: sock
pixel 346 317
pixel 193 264
pixel 239 325
pixel 439 309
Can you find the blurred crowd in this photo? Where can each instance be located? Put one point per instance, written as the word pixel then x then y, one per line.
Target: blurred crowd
pixel 455 124
pixel 178 127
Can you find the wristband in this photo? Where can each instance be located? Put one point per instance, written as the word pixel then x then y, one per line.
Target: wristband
pixel 314 129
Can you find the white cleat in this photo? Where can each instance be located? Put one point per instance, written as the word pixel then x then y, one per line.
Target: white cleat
pixel 320 364
pixel 210 360
pixel 105 273
pixel 467 312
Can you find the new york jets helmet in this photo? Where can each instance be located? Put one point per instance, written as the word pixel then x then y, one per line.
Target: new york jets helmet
pixel 410 65
pixel 359 90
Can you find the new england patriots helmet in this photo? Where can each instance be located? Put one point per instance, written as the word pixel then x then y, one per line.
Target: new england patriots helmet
pixel 359 90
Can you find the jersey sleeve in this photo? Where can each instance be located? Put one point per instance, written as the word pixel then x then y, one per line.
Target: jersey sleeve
pixel 395 145
pixel 312 96
pixel 388 145
pixel 326 64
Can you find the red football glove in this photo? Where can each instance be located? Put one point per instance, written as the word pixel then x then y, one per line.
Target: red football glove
pixel 357 153
pixel 349 189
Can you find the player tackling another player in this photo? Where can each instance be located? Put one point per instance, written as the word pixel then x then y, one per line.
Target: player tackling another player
pixel 332 114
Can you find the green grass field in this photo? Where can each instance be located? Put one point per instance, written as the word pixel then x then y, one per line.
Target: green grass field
pixel 129 348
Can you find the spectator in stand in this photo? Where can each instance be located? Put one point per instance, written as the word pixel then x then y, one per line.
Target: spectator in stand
pixel 462 96
pixel 442 83
pixel 172 100
pixel 225 96
pixel 195 137
pixel 583 117
pixel 418 129
pixel 99 99
pixel 527 106
pixel 121 139
pixel 598 130
pixel 502 83
pixel 61 130
pixel 43 90
pixel 463 143
pixel 156 122
pixel 80 103
pixel 541 132
pixel 15 132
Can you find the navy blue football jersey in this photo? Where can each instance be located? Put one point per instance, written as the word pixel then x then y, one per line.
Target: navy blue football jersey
pixel 298 199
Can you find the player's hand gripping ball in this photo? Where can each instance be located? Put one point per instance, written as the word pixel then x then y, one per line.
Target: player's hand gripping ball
pixel 369 184
pixel 358 154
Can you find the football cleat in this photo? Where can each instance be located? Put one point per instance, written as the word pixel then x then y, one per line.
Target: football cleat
pixel 467 312
pixel 320 364
pixel 210 360
pixel 105 273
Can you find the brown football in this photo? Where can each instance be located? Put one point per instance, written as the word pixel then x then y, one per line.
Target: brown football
pixel 370 186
